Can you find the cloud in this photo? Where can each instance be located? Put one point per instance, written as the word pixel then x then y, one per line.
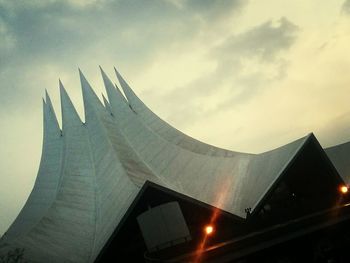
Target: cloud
pixel 64 34
pixel 177 3
pixel 39 36
pixel 264 41
pixel 346 7
pixel 8 41
pixel 212 9
pixel 255 58
pixel 60 25
pixel 44 36
pixel 246 64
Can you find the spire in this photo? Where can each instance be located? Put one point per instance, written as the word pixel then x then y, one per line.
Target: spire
pixel 121 94
pixel 106 103
pixel 129 93
pixel 70 116
pixel 116 99
pixel 49 113
pixel 91 101
pixel 125 86
pixel 45 113
pixel 47 97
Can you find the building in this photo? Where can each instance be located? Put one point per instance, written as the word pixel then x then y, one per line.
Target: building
pixel 125 184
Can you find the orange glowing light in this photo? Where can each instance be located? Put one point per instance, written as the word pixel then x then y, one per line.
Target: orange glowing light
pixel 344 189
pixel 209 229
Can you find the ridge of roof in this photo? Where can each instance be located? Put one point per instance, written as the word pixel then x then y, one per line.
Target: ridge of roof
pixel 293 149
pixel 70 116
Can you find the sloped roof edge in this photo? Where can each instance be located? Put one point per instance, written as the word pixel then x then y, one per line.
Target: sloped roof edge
pixel 282 171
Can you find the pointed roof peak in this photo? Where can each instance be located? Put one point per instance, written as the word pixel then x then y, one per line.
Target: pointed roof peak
pixel 60 84
pixel 121 79
pixel 91 101
pixel 125 86
pixel 46 93
pixel 82 77
pixel 70 116
pixel 123 83
pixel 130 95
pixel 48 100
pixel 81 74
pixel 115 97
pixel 119 76
pixel 63 92
pixel 104 75
pixel 311 134
pixel 121 94
pixel 49 112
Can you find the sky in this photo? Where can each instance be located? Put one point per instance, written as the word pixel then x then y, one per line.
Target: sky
pixel 243 75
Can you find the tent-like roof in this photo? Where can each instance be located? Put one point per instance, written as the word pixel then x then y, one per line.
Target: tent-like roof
pixel 91 172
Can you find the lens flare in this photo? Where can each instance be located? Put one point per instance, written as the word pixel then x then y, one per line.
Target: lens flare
pixel 343 189
pixel 209 229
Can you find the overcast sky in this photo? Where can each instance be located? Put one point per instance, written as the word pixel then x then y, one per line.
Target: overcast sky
pixel 243 75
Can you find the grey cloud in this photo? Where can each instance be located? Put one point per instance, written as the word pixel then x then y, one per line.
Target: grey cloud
pixel 264 44
pixel 69 33
pixel 7 40
pixel 250 85
pixel 346 7
pixel 264 41
pixel 206 7
pixel 62 27
pixel 54 27
pixel 212 9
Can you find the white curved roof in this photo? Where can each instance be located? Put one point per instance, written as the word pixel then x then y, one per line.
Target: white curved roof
pixel 90 173
pixel 166 131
